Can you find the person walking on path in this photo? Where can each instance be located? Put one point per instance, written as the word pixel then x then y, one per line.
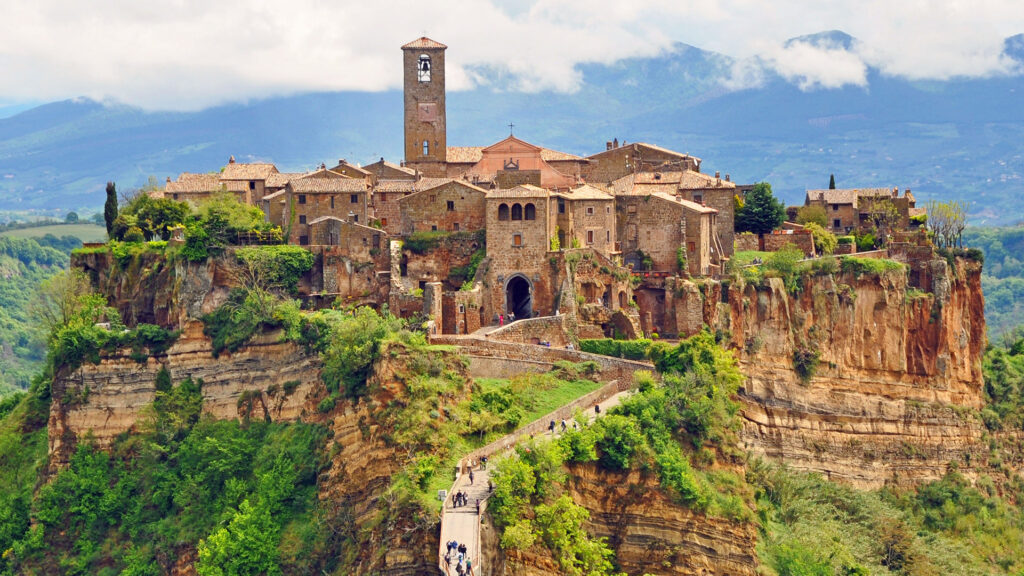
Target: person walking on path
pixel 469 567
pixel 501 320
pixel 551 427
pixel 470 477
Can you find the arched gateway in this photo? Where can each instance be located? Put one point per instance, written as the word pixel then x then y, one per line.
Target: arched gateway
pixel 519 296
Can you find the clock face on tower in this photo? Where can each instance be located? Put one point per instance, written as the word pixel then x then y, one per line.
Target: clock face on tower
pixel 428 111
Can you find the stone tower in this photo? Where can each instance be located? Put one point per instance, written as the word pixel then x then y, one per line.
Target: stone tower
pixel 426 139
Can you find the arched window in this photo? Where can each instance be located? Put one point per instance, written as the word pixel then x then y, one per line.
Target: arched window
pixel 426 148
pixel 423 68
pixel 530 213
pixel 517 212
pixel 503 212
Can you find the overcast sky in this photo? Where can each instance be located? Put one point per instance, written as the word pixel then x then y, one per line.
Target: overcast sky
pixel 188 54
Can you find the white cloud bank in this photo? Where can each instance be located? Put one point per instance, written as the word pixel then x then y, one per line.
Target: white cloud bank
pixel 187 54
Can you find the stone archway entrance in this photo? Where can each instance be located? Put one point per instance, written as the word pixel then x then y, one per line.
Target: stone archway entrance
pixel 519 297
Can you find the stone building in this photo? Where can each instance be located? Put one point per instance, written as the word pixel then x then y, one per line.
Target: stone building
pixel 247 180
pixel 314 196
pixel 384 170
pixel 519 230
pixel 386 194
pixel 585 217
pixel 511 162
pixel 452 206
pixel 849 209
pixel 617 161
pixel 194 188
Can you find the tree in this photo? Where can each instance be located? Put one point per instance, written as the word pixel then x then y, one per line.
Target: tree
pixel 110 207
pixel 831 181
pixel 947 221
pixel 824 241
pixel 247 545
pixel 761 212
pixel 60 299
pixel 812 214
pixel 71 218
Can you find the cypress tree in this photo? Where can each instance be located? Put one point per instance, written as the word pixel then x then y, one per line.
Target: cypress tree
pixel 831 181
pixel 110 207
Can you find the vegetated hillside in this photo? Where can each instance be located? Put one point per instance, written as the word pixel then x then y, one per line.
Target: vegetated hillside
pixel 25 264
pixel 1003 275
pixel 953 139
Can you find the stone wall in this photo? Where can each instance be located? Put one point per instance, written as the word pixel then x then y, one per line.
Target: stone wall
pixel 803 240
pixel 651 224
pixel 436 263
pixel 553 329
pixel 747 242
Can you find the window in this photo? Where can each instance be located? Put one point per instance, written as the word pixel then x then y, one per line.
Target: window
pixel 376 241
pixel 433 228
pixel 836 223
pixel 332 202
pixel 607 209
pixel 590 236
pixel 561 205
pixel 455 227
pixel 426 148
pixel 530 212
pixel 383 222
pixel 451 205
pixel 302 198
pixel 364 240
pixel 175 195
pixel 353 199
pixel 607 235
pixel 462 308
pixel 590 210
pixel 302 218
pixel 304 240
pixel 355 218
pixel 503 212
pixel 423 68
pixel 517 212
pixel 698 198
pixel 691 246
pixel 252 185
pixel 835 207
pixel 631 209
pixel 517 239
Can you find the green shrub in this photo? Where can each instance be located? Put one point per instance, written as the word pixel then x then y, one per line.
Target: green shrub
pixel 424 241
pixel 866 242
pixel 276 266
pixel 628 349
pixel 868 266
pixel 845 240
pixel 824 241
pixel 805 362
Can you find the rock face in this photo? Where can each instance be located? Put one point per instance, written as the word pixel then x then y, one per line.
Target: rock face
pixel 649 533
pixel 894 395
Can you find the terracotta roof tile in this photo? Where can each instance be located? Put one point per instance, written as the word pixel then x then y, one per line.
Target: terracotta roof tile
pixel 464 154
pixel 255 171
pixel 424 42
pixel 327 185
pixel 193 183
pixel 384 186
pixel 586 192
pixel 279 179
pixel 846 195
pixel 688 205
pixel 691 180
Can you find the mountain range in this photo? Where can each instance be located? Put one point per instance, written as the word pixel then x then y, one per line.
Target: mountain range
pixel 961 138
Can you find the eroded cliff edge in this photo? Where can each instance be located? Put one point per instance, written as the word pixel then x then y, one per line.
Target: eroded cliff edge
pixel 894 394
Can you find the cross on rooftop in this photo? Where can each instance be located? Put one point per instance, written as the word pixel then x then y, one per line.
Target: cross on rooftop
pixel 510 127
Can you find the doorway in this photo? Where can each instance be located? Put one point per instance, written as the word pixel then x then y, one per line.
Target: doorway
pixel 519 297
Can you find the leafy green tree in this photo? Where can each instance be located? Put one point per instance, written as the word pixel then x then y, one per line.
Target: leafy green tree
pixel 824 241
pixel 761 212
pixel 813 213
pixel 246 546
pixel 110 207
pixel 71 218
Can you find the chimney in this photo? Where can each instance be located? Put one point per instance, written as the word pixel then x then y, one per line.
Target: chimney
pixel 615 142
pixel 896 192
pixel 323 166
pixel 341 160
pixel 608 145
pixel 718 177
pixel 727 178
pixel 168 179
pixel 232 159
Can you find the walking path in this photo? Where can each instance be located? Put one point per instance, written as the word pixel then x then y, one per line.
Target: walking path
pixel 462 524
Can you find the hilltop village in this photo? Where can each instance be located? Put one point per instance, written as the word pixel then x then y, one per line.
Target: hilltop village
pixel 471 235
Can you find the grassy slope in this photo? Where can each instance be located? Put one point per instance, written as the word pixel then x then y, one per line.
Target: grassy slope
pixel 84 232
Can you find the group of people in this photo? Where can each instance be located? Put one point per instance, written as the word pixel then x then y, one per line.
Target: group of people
pixel 458 553
pixel 460 498
pixel 510 318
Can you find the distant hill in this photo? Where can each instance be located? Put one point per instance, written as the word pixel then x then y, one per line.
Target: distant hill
pixel 955 139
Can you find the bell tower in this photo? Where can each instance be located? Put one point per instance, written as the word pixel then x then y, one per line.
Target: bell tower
pixel 426 141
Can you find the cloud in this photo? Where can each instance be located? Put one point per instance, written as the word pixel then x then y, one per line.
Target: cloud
pixel 188 54
pixel 813 65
